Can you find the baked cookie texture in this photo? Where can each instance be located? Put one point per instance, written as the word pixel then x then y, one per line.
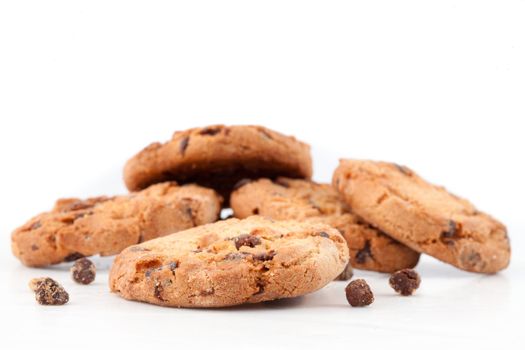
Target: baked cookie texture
pixel 230 262
pixel 106 225
pixel 218 156
pixel 423 216
pixel 307 201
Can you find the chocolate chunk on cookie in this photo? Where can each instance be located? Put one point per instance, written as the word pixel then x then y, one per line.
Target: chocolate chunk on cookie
pixel 218 157
pixel 207 267
pixel 76 228
pixel 289 199
pixel 423 216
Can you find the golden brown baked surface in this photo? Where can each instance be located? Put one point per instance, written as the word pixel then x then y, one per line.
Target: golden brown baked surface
pixel 307 201
pixel 106 225
pixel 230 262
pixel 423 216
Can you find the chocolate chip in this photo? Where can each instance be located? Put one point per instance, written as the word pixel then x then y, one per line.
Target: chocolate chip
pixel 158 291
pixel 358 293
pixel 260 285
pixel 403 169
pixel 282 182
pixel 83 271
pixel 138 249
pixel 172 266
pixel 48 291
pixel 34 247
pixel 255 211
pixel 35 225
pixel 448 236
pixel 73 257
pixel 246 240
pixel 323 234
pixel 347 273
pixel 210 131
pixel 265 256
pixel 236 256
pixel 184 144
pixel 405 281
pixel 241 183
pixel 78 205
pixel 362 255
pixel 81 215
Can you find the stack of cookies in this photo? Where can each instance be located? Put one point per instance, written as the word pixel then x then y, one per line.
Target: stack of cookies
pixel 290 236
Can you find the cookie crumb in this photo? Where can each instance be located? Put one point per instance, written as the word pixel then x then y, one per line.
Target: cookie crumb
pixel 83 271
pixel 405 281
pixel 347 273
pixel 48 291
pixel 358 293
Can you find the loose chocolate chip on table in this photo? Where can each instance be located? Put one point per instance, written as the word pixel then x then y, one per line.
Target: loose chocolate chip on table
pixel 405 281
pixel 48 291
pixel 347 273
pixel 246 240
pixel 83 271
pixel 358 293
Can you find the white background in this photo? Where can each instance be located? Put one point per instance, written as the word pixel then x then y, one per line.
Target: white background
pixel 438 86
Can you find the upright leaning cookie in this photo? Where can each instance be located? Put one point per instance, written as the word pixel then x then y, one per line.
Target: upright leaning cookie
pixel 105 225
pixel 288 199
pixel 230 262
pixel 425 217
pixel 218 156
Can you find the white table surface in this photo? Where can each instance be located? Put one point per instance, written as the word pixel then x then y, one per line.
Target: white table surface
pixel 451 308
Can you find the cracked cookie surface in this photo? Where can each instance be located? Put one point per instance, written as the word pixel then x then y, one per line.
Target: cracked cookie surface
pixel 230 262
pixel 423 216
pixel 289 199
pixel 218 156
pixel 106 225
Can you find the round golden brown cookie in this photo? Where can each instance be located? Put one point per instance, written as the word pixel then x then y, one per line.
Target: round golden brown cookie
pixel 288 199
pixel 218 156
pixel 425 217
pixel 230 262
pixel 105 226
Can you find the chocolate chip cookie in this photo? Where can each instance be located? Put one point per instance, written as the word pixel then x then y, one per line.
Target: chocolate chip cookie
pixel 106 225
pixel 425 217
pixel 230 262
pixel 218 156
pixel 288 199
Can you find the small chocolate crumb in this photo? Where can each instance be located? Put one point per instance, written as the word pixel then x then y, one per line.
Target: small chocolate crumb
pixel 184 144
pixel 73 256
pixel 34 247
pixel 255 211
pixel 323 234
pixel 241 183
pixel 172 266
pixel 265 256
pixel 405 281
pixel 83 271
pixel 347 273
pixel 246 240
pixel 48 291
pixel 358 293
